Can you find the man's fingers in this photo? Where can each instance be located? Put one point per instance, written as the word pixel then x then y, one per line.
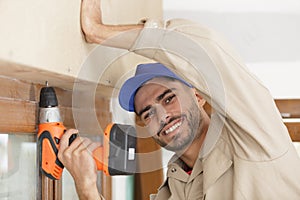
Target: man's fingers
pixel 94 145
pixel 81 146
pixel 84 143
pixel 64 140
pixel 86 147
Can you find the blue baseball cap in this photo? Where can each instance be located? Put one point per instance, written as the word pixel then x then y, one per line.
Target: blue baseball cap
pixel 143 73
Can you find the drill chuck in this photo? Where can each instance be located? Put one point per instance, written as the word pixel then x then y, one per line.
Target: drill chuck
pixel 49 111
pixel 48 98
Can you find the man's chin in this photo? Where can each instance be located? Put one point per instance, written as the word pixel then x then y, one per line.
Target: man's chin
pixel 177 147
pixel 180 144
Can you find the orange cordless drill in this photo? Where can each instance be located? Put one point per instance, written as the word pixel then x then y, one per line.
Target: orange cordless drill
pixel 115 157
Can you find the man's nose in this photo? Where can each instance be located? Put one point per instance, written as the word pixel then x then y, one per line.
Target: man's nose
pixel 162 114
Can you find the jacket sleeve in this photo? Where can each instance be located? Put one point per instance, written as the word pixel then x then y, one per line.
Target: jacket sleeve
pixel 243 105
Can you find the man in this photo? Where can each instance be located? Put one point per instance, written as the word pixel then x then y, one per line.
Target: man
pixel 242 152
pixel 172 111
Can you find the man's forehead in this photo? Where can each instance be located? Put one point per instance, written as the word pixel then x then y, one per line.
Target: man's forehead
pixel 156 86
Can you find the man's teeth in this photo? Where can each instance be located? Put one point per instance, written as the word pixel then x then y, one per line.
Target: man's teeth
pixel 172 128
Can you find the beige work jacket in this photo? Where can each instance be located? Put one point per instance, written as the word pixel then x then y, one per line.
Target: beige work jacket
pixel 247 153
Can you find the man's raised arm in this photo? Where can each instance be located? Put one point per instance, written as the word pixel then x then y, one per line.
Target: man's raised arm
pixel 96 32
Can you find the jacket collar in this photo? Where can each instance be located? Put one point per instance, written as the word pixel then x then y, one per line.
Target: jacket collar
pixel 175 170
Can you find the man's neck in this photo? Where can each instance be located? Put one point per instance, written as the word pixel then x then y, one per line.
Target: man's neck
pixel 190 155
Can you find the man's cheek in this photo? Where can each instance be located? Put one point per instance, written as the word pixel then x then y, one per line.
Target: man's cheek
pixel 152 130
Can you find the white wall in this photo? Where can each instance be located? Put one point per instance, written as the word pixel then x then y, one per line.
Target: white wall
pixel 264 32
pixel 233 5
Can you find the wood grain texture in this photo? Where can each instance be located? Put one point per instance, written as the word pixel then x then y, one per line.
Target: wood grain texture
pixel 294 130
pixel 289 108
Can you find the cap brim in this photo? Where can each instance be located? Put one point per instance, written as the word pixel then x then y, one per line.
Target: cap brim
pixel 129 88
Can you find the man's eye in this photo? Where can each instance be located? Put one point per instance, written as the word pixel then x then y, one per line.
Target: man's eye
pixel 149 114
pixel 169 99
pixel 146 116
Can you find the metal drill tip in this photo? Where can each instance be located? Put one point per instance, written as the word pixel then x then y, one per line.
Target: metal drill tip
pixel 46 83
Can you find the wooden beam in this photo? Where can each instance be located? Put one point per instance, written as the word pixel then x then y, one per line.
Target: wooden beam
pixel 106 185
pixel 294 130
pixel 51 189
pixel 150 166
pixel 19 107
pixel 21 116
pixel 17 116
pixel 30 80
pixel 289 108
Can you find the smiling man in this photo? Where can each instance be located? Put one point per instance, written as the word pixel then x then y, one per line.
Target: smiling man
pixel 172 111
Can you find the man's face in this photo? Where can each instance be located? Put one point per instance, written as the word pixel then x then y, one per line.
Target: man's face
pixel 170 112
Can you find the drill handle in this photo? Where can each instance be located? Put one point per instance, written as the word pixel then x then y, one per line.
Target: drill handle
pixel 98 157
pixel 48 142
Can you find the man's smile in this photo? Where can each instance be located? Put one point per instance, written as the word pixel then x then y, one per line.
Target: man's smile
pixel 170 127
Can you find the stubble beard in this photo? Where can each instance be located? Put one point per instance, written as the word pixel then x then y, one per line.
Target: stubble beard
pixel 182 140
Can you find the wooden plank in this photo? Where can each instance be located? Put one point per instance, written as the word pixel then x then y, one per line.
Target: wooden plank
pixel 149 165
pixel 294 130
pixel 20 79
pixel 47 188
pixel 104 117
pixel 57 189
pixel 35 75
pixel 289 108
pixel 147 183
pixel 16 89
pixel 17 116
pixel 106 184
pixel 25 121
pixel 51 189
pixel 19 107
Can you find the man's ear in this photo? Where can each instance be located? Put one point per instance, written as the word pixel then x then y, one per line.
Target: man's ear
pixel 201 101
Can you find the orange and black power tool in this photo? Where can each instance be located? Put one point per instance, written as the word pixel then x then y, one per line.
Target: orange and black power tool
pixel 115 157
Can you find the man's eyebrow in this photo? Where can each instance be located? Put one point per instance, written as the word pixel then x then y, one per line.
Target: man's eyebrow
pixel 160 97
pixel 144 110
